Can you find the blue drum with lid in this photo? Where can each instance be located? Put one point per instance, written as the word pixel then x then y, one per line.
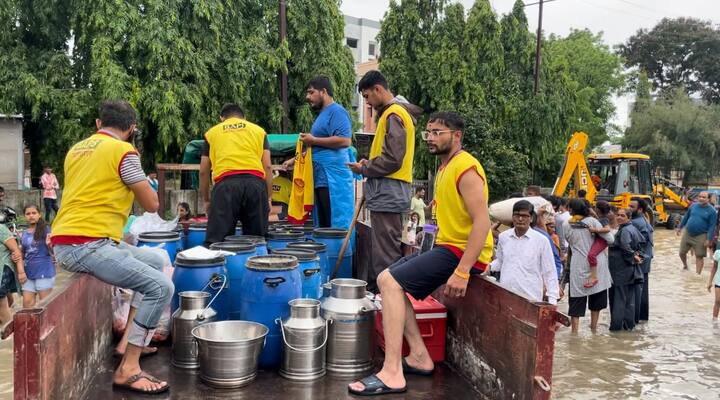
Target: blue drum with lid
pixel 169 240
pixel 259 241
pixel 193 275
pixel 321 250
pixel 307 230
pixel 235 266
pixel 333 239
pixel 196 235
pixel 280 239
pixel 238 229
pixel 269 283
pixel 309 265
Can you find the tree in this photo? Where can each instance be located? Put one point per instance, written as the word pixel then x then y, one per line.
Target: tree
pixel 483 56
pixel 176 62
pixel 316 48
pixel 597 72
pixel 679 134
pixel 680 52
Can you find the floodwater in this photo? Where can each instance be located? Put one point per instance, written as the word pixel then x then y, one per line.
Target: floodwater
pixel 676 355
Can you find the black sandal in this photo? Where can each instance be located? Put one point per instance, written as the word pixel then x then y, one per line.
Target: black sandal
pixel 408 370
pixel 142 375
pixel 374 387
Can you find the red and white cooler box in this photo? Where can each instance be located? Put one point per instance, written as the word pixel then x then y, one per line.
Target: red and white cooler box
pixel 432 320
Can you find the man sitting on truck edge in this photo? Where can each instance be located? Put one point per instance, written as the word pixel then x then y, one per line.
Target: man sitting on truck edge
pixel 463 247
pixel 103 177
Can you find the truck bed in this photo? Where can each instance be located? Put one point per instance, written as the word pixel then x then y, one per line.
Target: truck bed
pixel 445 384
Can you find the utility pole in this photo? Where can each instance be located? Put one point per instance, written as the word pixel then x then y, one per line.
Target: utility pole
pixel 538 49
pixel 283 75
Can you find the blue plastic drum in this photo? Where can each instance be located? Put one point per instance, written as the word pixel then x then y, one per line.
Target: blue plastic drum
pixel 182 245
pixel 170 241
pixel 260 243
pixel 321 250
pixel 196 235
pixel 269 283
pixel 333 239
pixel 236 269
pixel 238 229
pixel 194 275
pixel 309 265
pixel 280 239
pixel 307 230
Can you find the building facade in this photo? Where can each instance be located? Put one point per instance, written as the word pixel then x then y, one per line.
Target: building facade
pixel 360 38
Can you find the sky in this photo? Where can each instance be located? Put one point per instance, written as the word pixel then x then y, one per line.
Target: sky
pixel 617 19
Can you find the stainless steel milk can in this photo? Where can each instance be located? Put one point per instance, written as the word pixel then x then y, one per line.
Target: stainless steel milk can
pixel 351 343
pixel 194 311
pixel 304 335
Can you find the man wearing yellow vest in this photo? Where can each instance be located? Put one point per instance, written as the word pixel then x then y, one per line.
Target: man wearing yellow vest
pixel 103 177
pixel 463 247
pixel 389 171
pixel 238 153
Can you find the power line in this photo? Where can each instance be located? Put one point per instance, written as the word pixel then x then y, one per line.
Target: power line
pixel 664 13
pixel 615 10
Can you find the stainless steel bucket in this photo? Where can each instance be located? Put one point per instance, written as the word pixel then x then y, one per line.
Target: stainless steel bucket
pixel 228 352
pixel 194 310
pixel 304 336
pixel 351 338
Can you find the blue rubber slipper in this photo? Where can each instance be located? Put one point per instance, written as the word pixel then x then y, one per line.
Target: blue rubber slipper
pixel 375 387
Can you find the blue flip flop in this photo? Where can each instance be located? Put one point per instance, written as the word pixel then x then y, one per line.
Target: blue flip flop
pixel 408 370
pixel 375 387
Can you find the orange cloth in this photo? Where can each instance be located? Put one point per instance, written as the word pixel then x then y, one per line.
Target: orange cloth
pixel 302 194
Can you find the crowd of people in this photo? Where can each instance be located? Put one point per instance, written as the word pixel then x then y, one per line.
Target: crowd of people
pixel 598 256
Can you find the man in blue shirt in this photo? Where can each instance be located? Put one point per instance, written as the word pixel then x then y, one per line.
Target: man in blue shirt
pixel 330 138
pixel 699 223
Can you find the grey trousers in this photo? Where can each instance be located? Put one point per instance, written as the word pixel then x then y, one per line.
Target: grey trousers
pixel 386 244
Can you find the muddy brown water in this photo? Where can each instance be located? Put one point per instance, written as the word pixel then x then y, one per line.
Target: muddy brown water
pixel 676 355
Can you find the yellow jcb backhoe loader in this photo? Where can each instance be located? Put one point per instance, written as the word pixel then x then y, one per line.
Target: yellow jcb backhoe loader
pixel 616 178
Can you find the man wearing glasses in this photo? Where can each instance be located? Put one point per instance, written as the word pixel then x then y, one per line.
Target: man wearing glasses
pixel 463 247
pixel 389 171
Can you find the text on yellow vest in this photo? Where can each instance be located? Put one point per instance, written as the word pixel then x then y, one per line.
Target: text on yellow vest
pixel 95 202
pixel 235 145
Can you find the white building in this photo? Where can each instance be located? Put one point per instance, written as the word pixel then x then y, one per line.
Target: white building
pixel 360 38
pixel 12 165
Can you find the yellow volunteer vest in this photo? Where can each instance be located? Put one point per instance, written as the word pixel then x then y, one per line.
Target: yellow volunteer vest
pixel 95 202
pixel 302 193
pixel 454 222
pixel 405 171
pixel 281 189
pixel 235 145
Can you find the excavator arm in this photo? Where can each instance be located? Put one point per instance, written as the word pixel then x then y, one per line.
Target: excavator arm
pixel 663 189
pixel 575 167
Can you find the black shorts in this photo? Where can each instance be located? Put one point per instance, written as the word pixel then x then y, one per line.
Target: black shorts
pixel 7 282
pixel 421 274
pixel 595 302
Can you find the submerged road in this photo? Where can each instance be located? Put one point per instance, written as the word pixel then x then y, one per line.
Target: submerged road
pixel 676 355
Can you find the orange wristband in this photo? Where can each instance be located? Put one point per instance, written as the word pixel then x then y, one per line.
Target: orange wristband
pixel 463 275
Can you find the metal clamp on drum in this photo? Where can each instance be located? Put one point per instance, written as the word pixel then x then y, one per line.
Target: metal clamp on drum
pixel 273 282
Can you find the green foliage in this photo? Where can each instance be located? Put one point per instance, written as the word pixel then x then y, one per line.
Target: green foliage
pixel 596 73
pixel 678 134
pixel 680 52
pixel 176 62
pixel 442 59
pixel 315 39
